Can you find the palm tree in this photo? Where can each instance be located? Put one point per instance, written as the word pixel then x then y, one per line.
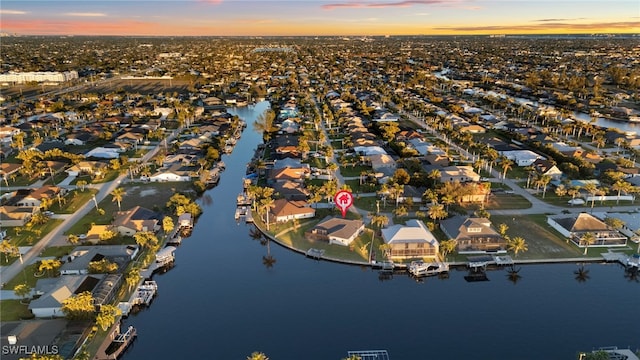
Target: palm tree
pixel 506 165
pixel 593 190
pixel 133 277
pixel 267 204
pixel 22 291
pixel 517 244
pixel 587 239
pixel 49 265
pixel 544 181
pixel 82 184
pixel 434 175
pixel 437 212
pixel 447 247
pixel 502 229
pixel 117 195
pixel 257 356
pixel 620 186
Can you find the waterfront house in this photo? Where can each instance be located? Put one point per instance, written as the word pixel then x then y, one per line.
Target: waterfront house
pixel 291 190
pixel 337 231
pixel 54 291
pixel 412 240
pixel 295 174
pixel 284 210
pixel 176 172
pixel 137 219
pixel 473 235
pixel 77 262
pixel 575 226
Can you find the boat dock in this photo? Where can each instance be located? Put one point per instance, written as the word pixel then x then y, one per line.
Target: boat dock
pixel 315 253
pixel 116 342
pixel 624 259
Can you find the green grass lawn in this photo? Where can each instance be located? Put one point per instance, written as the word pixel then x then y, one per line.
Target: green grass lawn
pixel 543 241
pixel 350 171
pixel 152 196
pixel 23 236
pixel 57 251
pixel 27 275
pixel 503 201
pixel 74 201
pixel 13 310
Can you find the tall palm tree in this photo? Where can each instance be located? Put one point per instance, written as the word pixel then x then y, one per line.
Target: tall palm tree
pixel 587 239
pixel 447 247
pixel 437 212
pixel 620 186
pixel 267 204
pixel 506 165
pixel 434 175
pixel 117 196
pixel 592 189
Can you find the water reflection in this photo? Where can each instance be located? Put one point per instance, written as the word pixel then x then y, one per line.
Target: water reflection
pixel 582 274
pixel 513 274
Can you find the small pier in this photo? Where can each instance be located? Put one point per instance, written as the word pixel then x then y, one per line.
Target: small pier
pixel 116 342
pixel 624 259
pixel 175 240
pixel 315 253
pixel 144 294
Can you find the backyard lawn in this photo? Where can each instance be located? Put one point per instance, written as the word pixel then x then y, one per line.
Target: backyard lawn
pixel 13 310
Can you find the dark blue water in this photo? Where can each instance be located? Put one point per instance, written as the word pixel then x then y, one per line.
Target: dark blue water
pixel 221 302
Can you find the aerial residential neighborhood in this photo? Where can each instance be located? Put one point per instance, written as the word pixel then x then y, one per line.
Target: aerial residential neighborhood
pixel 457 160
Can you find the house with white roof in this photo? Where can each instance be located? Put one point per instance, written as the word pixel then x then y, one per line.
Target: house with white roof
pixel 412 240
pixel 522 157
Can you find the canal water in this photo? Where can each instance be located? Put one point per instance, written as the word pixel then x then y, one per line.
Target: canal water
pixel 221 302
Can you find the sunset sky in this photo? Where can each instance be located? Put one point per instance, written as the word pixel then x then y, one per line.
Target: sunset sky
pixel 311 17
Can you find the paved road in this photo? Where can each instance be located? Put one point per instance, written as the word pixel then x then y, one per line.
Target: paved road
pixel 56 236
pixel 537 206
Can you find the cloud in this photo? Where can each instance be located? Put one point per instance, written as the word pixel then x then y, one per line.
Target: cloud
pixel 86 14
pixel 12 12
pixel 547 27
pixel 379 5
pixel 556 20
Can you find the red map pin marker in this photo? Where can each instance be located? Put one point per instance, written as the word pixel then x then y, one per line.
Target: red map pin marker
pixel 343 199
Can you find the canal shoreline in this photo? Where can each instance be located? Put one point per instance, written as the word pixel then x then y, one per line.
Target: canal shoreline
pixel 456 264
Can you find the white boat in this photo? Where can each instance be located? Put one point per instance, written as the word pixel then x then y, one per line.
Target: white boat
pixel 421 268
pixel 634 118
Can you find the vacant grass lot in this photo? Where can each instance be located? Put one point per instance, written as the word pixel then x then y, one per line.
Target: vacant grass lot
pixel 543 241
pixel 152 196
